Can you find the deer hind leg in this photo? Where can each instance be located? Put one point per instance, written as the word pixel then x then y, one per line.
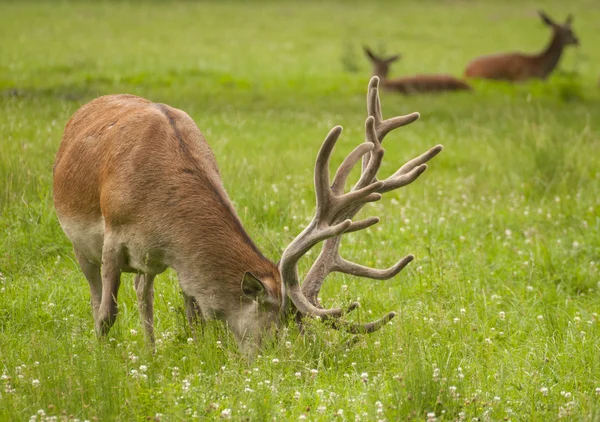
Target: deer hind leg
pixel 193 314
pixel 92 274
pixel 112 258
pixel 144 289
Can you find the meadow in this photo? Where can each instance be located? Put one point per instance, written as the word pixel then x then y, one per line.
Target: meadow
pixel 498 316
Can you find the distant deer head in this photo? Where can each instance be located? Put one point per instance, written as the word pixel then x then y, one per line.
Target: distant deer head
pixel 381 66
pixel 563 32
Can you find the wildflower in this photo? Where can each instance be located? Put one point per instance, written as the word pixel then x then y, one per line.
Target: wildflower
pixel 298 374
pixel 320 392
pixel 275 361
pixel 297 395
pixel 598 391
pixel 364 376
pixel 226 414
pixel 133 332
pixel 529 288
pixel 302 417
pixel 35 383
pixel 456 320
pixel 487 341
pixel 321 409
pixel 540 317
pixel 143 368
pixel 544 391
pixel 463 311
pixel 190 340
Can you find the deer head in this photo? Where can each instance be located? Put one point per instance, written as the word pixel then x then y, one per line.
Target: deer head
pixel 381 66
pixel 564 32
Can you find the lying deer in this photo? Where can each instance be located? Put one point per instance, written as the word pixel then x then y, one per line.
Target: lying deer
pixel 519 67
pixel 412 84
pixel 137 189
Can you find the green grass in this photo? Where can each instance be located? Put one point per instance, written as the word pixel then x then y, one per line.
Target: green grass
pixel 503 298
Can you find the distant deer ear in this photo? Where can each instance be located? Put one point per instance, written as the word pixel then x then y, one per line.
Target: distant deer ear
pixel 253 288
pixel 545 18
pixel 569 20
pixel 393 58
pixel 370 54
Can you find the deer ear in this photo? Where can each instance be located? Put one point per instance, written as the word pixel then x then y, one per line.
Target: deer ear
pixel 253 288
pixel 545 18
pixel 569 20
pixel 369 53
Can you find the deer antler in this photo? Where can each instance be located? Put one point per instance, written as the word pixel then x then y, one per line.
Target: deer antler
pixel 335 209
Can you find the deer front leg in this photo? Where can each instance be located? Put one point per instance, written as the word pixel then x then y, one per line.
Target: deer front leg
pixel 112 257
pixel 144 289
pixel 193 314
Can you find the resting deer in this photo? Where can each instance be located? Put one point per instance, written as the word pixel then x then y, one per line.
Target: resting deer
pixel 412 84
pixel 516 67
pixel 137 189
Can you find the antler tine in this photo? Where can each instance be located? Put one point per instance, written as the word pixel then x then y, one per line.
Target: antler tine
pixel 339 180
pixel 367 328
pixel 384 127
pixel 343 266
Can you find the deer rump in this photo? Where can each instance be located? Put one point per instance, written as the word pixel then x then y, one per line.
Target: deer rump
pixel 420 84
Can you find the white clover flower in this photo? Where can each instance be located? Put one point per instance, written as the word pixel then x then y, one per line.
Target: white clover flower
pixel 529 288
pixel 314 372
pixel 320 392
pixel 133 332
pixel 598 391
pixel 35 383
pixel 463 311
pixel 298 374
pixel 226 414
pixel 143 368
pixel 275 361
pixel 190 340
pixel 364 376
pixel 544 391
pixel 540 317
pixel 502 315
pixel 487 341
pixel 297 395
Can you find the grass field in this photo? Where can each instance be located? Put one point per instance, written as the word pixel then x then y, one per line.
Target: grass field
pixel 498 316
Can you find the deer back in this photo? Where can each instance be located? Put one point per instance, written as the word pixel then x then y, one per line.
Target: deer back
pixel 146 171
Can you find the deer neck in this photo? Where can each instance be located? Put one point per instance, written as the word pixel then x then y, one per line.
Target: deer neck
pixel 550 56
pixel 213 251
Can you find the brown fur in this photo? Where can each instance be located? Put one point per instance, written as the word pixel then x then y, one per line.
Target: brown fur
pixel 519 67
pixel 146 170
pixel 413 84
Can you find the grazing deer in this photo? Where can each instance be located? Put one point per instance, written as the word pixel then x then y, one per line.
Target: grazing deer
pixel 412 84
pixel 137 189
pixel 516 67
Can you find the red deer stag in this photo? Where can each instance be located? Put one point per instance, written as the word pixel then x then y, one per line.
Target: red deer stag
pixel 412 84
pixel 137 189
pixel 515 67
